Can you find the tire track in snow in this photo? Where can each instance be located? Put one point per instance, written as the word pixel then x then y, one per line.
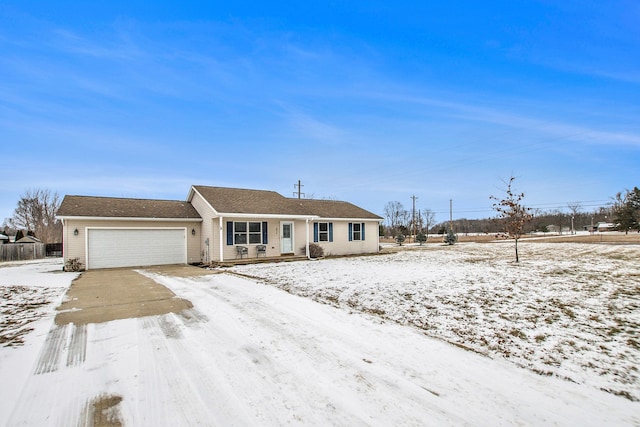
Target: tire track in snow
pixel 50 356
pixel 60 339
pixel 66 343
pixel 78 346
pixel 180 385
pixel 285 348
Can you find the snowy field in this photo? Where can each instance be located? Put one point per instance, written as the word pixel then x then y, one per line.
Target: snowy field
pixel 252 355
pixel 566 310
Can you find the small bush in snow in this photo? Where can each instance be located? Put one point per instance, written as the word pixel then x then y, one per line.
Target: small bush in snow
pixel 315 250
pixel 73 264
pixel 421 238
pixel 400 238
pixel 450 238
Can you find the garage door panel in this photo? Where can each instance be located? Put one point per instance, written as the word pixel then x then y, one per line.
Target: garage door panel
pixel 109 248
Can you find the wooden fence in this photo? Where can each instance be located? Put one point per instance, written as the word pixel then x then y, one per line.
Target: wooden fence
pixel 22 251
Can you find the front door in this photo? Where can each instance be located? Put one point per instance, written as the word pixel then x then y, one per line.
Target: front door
pixel 286 237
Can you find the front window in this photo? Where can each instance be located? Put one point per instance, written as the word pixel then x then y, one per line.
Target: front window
pixel 255 232
pixel 247 232
pixel 357 231
pixel 323 231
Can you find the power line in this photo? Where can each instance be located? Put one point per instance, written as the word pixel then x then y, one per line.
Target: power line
pixel 413 214
pixel 540 206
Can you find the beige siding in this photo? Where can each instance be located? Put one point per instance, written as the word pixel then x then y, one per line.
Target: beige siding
pixel 273 238
pixel 341 244
pixel 209 252
pixel 75 246
pixel 300 236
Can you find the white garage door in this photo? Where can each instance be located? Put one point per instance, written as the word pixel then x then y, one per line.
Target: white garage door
pixel 117 247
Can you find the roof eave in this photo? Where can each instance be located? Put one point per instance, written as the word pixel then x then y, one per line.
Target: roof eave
pixel 125 218
pixel 348 218
pixel 270 216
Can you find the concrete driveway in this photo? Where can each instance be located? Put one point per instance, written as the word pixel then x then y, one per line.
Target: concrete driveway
pixel 103 295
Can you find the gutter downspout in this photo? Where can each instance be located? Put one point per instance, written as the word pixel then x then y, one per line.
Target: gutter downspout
pixel 307 244
pixel 64 243
pixel 221 242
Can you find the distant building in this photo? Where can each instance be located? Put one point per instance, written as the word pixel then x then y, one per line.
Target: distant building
pixel 552 228
pixel 29 239
pixel 605 226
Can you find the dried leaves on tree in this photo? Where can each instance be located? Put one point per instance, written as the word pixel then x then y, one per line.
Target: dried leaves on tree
pixel 511 213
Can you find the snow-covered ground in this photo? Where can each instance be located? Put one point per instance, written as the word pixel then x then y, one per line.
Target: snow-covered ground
pixel 250 354
pixel 568 310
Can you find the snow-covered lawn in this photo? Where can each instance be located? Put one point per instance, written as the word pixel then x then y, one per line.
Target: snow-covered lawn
pixel 250 354
pixel 28 289
pixel 568 310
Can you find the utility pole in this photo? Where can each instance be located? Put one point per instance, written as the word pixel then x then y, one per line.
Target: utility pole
pixel 413 217
pixel 299 187
pixel 451 215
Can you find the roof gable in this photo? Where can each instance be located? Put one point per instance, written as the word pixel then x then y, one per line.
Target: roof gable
pixel 112 207
pixel 29 239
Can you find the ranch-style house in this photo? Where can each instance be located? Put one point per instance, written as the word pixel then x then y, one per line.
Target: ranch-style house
pixel 214 224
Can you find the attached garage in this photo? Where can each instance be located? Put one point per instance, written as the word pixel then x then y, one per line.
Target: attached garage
pixel 108 232
pixel 130 247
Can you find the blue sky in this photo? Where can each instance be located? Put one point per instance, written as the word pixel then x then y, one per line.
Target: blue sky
pixel 368 102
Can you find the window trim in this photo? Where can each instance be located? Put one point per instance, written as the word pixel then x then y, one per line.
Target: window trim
pixel 317 232
pixel 360 236
pixel 256 237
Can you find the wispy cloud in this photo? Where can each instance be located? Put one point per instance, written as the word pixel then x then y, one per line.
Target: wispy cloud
pixel 121 47
pixel 553 129
pixel 307 127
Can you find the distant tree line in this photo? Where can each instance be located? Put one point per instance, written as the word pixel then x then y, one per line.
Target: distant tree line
pixel 623 213
pixel 400 221
pixel 543 221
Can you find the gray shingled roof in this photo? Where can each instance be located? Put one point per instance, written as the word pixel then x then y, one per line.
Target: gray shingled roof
pixel 333 209
pixel 111 207
pixel 222 199
pixel 243 201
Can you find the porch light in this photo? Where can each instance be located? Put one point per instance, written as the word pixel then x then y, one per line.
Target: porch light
pixel 75 232
pixel 193 231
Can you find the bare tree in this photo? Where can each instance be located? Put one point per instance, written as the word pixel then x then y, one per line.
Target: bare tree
pixel 512 214
pixel 405 222
pixel 428 220
pixel 575 209
pixel 36 212
pixel 394 212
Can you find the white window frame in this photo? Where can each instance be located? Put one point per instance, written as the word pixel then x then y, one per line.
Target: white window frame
pixel 357 232
pixel 321 232
pixel 247 234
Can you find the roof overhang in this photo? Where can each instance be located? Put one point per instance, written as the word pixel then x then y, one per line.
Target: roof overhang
pixel 120 218
pixel 350 219
pixel 269 216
